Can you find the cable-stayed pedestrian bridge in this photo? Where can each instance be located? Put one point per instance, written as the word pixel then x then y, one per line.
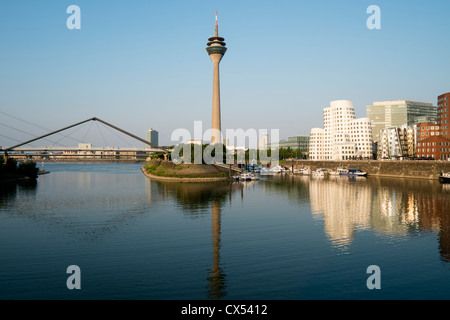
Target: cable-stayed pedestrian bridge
pixel 83 150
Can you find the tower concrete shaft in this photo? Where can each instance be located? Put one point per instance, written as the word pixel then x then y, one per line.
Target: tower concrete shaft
pixel 216 50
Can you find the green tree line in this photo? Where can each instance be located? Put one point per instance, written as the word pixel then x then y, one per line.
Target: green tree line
pixel 283 153
pixel 11 169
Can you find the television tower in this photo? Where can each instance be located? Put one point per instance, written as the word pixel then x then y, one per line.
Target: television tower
pixel 216 49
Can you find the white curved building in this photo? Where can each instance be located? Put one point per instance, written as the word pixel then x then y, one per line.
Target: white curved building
pixel 343 137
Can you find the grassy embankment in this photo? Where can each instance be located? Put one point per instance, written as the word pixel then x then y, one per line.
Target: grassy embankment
pixel 168 169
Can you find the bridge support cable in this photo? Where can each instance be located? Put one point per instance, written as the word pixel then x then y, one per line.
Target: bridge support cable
pixel 46 135
pixel 32 124
pixel 80 123
pixel 21 131
pixel 130 134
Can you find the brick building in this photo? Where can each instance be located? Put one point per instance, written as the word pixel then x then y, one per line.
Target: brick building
pixel 436 147
pixel 427 130
pixel 443 116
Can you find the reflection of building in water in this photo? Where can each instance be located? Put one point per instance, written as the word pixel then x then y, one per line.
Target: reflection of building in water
pixel 435 216
pixel 403 207
pixel 345 206
pixel 406 206
pixel 394 211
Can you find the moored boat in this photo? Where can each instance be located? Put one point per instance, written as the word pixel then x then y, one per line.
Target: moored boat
pixel 247 176
pixel 444 177
pixel 321 172
pixel 356 172
pixel 302 171
pixel 271 171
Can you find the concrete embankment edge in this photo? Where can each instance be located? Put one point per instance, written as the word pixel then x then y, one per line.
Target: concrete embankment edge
pixel 175 179
pixel 398 169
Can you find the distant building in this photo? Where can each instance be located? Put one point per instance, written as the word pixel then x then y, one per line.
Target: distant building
pixel 398 142
pixel 437 148
pixel 85 146
pixel 297 142
pixel 85 150
pixel 317 144
pixel 343 137
pixel 443 114
pixel 198 142
pixel 152 137
pixel 427 130
pixel 389 114
pixel 263 142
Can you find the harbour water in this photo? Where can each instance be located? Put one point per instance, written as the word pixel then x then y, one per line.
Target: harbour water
pixel 283 237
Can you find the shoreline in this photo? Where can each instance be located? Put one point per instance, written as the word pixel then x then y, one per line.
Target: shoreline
pixel 429 170
pixel 90 161
pixel 176 179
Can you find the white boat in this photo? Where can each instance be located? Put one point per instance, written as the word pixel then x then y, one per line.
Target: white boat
pixel 277 169
pixel 302 171
pixel 321 172
pixel 266 172
pixel 271 171
pixel 338 172
pixel 355 172
pixel 247 176
pixel 444 177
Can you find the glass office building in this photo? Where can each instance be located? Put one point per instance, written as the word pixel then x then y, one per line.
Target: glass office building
pixel 399 113
pixel 298 142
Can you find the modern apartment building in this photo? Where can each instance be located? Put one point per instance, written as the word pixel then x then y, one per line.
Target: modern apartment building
pixel 317 144
pixel 343 137
pixel 443 114
pixel 389 114
pixel 398 142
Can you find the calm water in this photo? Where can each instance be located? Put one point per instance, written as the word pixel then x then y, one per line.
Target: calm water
pixel 284 237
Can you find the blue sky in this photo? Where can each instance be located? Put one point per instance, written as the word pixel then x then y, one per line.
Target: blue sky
pixel 142 64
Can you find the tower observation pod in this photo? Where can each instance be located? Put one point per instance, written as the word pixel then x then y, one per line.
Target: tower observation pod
pixel 216 49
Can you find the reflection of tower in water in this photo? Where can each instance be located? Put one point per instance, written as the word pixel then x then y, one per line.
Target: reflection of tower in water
pixel 216 279
pixel 203 199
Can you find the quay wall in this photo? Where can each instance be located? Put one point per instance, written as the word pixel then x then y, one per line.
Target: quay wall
pixel 400 169
pixel 91 160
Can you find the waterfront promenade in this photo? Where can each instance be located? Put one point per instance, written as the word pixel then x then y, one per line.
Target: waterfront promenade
pixel 382 168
